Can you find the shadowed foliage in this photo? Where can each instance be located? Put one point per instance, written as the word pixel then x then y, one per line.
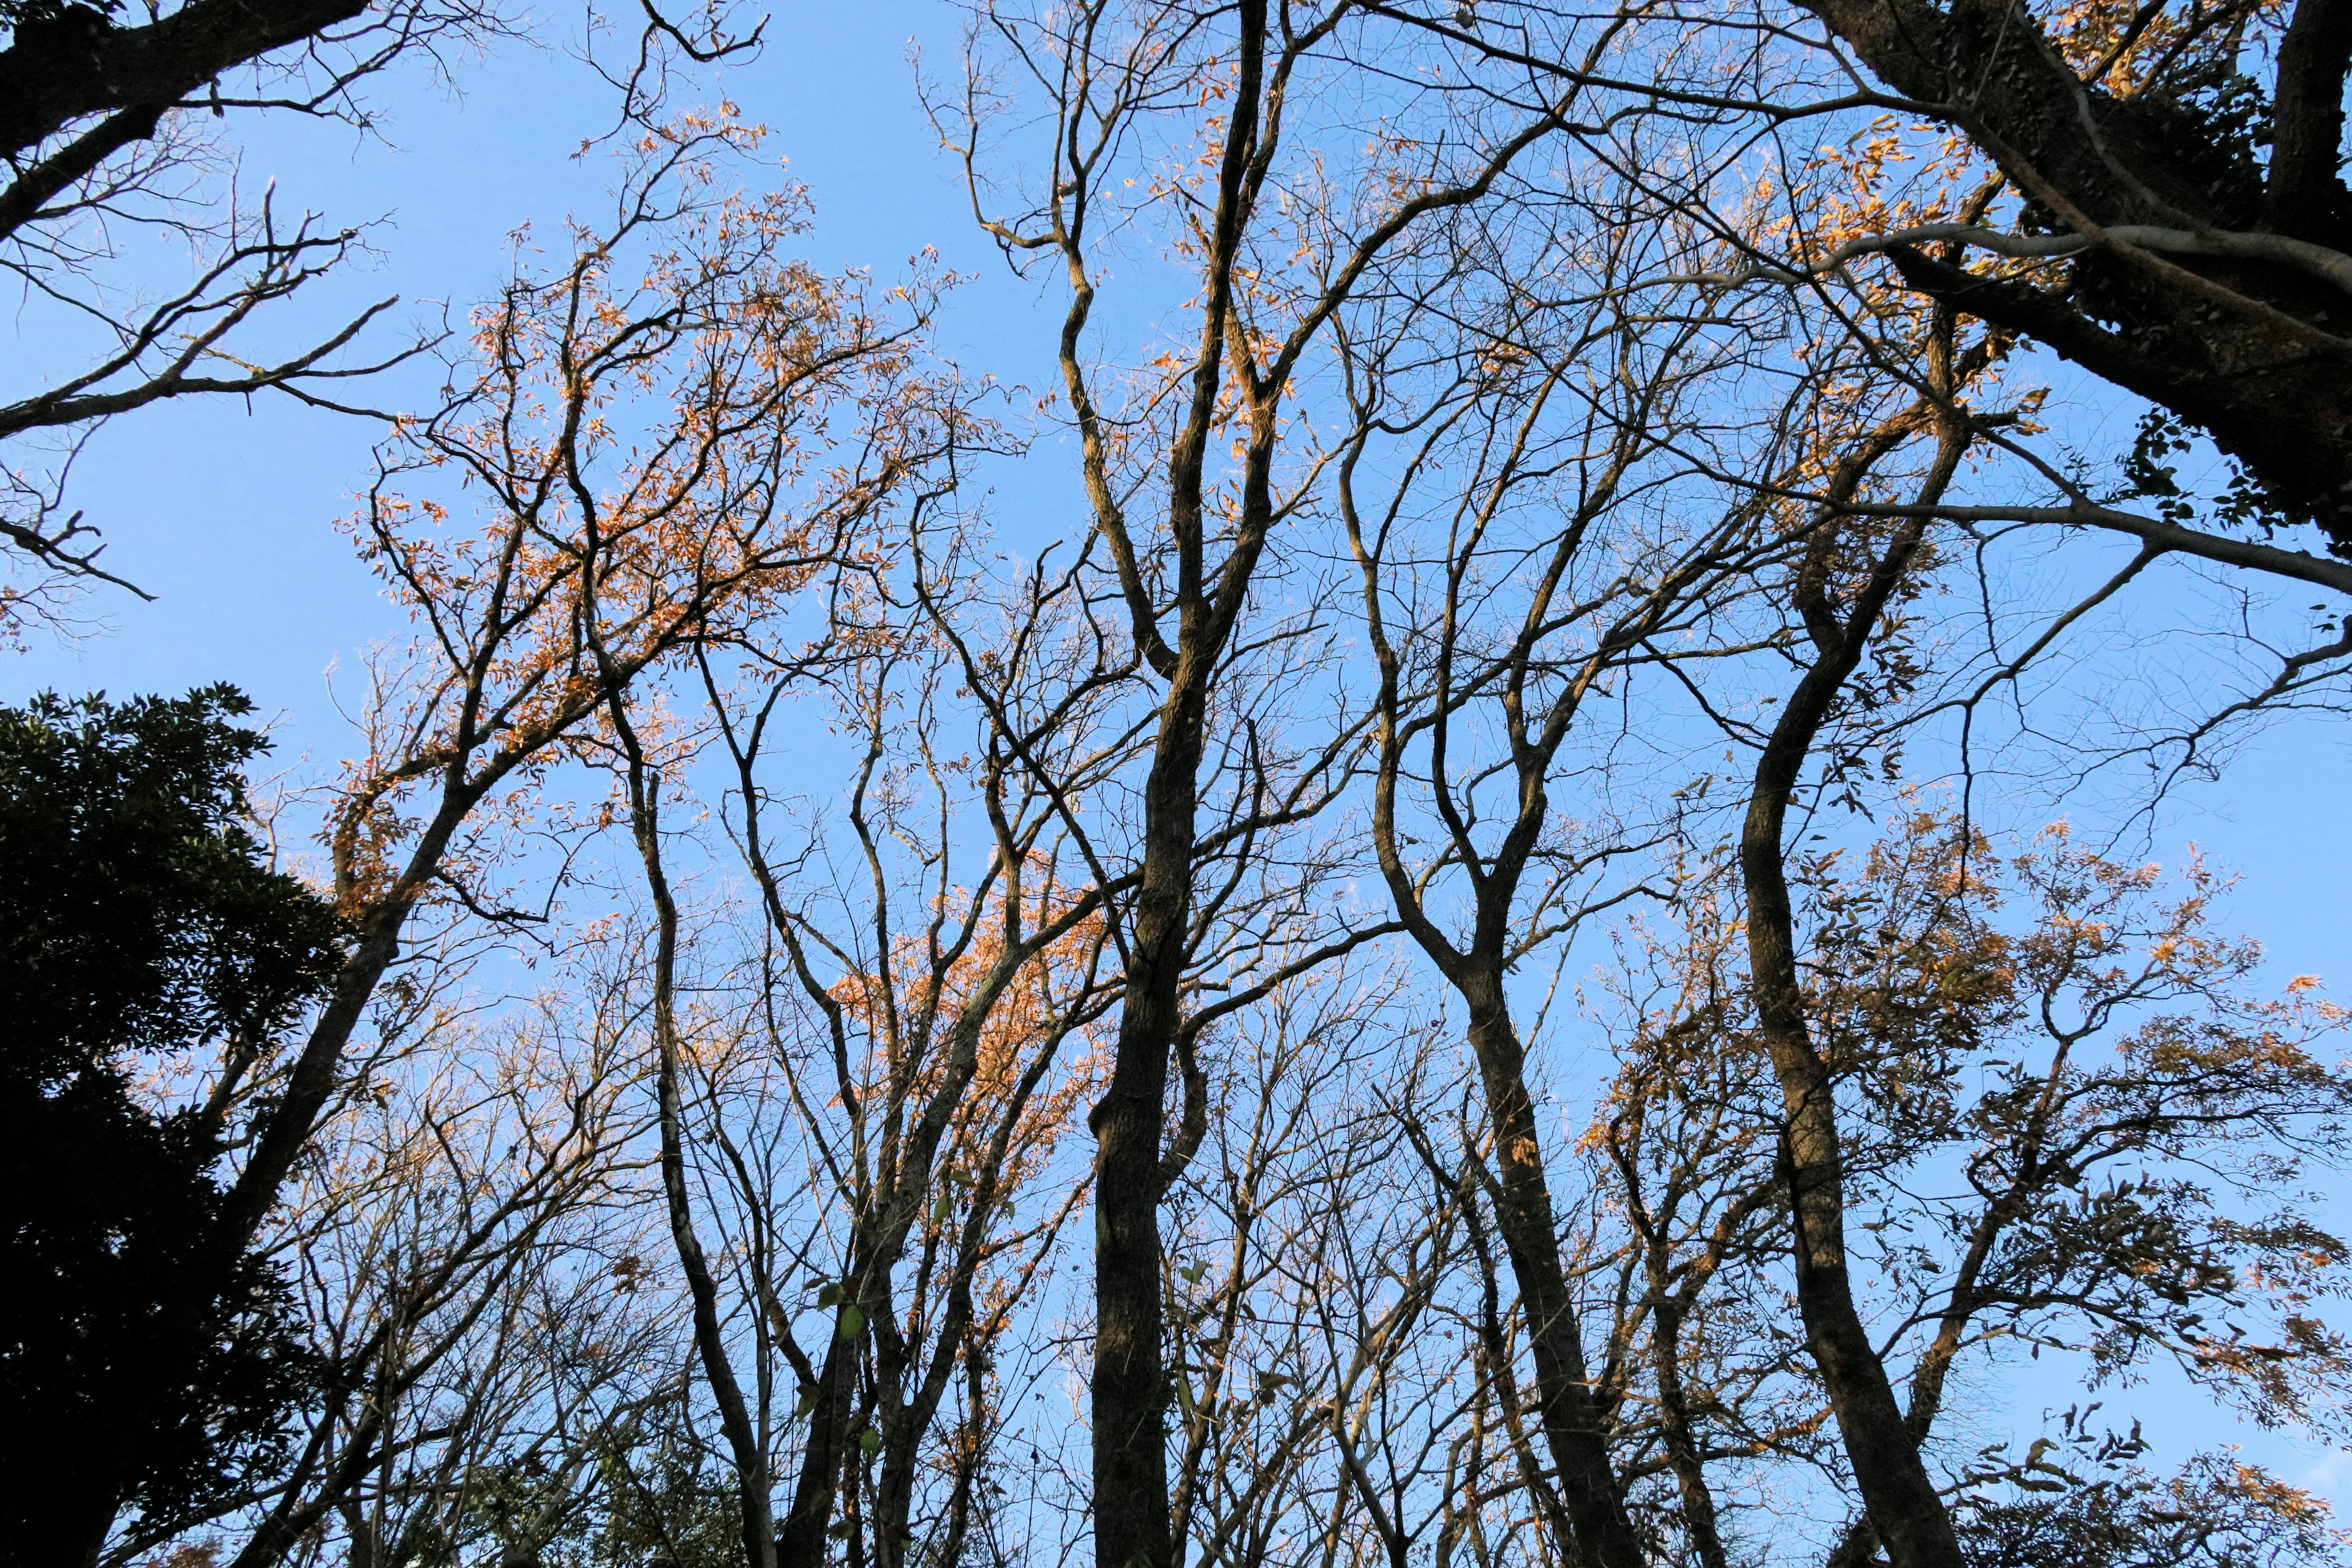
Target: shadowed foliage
pixel 146 1356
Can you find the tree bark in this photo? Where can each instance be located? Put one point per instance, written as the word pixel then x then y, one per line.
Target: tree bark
pixel 1130 1380
pixel 2307 195
pixel 59 69
pixel 1901 1498
pixel 2251 352
pixel 756 1521
pixel 1566 1405
pixel 1132 1499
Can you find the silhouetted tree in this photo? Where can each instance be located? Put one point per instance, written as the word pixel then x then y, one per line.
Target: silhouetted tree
pixel 147 1357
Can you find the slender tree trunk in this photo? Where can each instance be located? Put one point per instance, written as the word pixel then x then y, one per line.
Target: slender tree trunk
pixel 1900 1496
pixel 1133 1504
pixel 311 1085
pixel 1130 1382
pixel 1566 1405
pixel 758 1522
pixel 800 1541
pixel 1682 1447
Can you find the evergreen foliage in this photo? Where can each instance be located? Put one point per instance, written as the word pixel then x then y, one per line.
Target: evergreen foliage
pixel 148 1356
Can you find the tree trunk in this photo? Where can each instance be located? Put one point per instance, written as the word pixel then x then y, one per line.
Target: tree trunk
pixel 1900 1496
pixel 2251 351
pixel 1566 1405
pixel 1130 1382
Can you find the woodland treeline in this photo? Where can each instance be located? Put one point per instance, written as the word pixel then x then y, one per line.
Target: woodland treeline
pixel 1531 923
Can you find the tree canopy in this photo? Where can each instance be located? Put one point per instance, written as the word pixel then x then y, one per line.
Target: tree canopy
pixel 149 1357
pixel 1424 810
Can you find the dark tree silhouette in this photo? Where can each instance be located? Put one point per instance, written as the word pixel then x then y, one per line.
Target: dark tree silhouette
pixel 147 1354
pixel 2211 276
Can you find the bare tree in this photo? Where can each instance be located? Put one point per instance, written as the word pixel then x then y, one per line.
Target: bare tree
pixel 913 1043
pixel 1281 238
pixel 111 134
pixel 2202 277
pixel 605 552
